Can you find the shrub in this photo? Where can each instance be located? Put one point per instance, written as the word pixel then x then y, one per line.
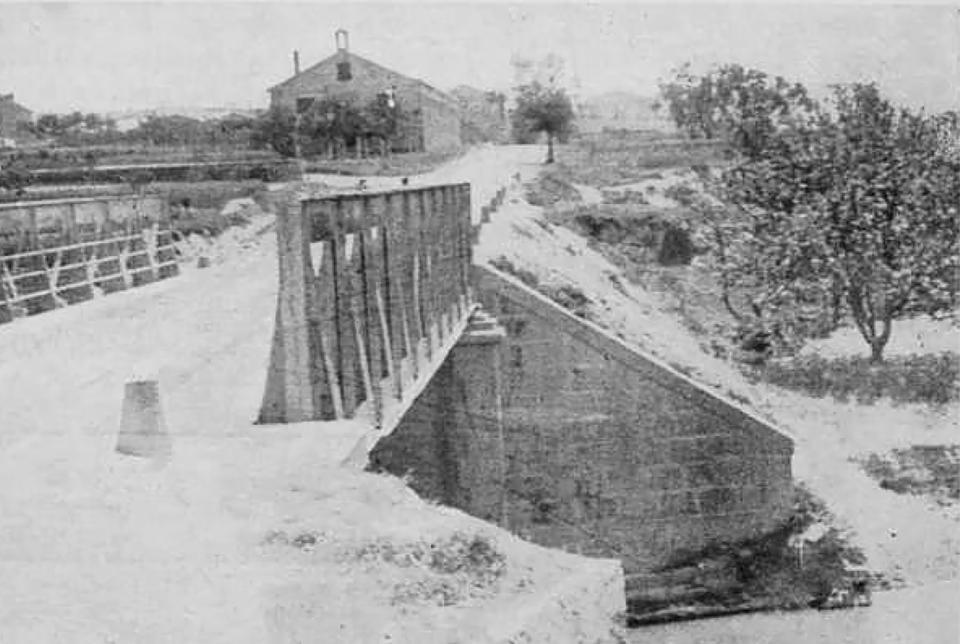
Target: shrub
pixel 676 248
pixel 929 470
pixel 552 186
pixel 758 572
pixel 926 378
pixel 569 297
pixel 681 193
pixel 505 265
pixel 452 569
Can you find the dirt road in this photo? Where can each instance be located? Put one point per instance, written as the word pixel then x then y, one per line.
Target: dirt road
pixel 95 543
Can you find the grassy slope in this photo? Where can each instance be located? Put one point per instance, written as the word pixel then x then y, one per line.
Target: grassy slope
pixel 828 433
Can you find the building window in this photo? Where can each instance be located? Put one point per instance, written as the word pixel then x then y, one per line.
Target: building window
pixel 303 104
pixel 390 97
pixel 343 71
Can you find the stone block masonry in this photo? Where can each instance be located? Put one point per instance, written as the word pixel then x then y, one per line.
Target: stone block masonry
pixel 608 452
pixel 433 117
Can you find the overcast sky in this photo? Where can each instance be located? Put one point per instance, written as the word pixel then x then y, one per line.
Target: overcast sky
pixel 100 57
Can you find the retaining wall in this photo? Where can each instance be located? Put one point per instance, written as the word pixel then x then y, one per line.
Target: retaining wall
pixel 607 451
pixel 59 252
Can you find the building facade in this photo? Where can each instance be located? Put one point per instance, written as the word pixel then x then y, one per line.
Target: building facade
pixel 433 117
pixel 12 116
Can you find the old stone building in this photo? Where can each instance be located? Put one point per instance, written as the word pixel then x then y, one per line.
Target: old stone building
pixel 12 116
pixel 433 117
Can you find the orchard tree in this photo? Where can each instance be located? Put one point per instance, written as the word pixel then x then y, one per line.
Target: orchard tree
pixel 741 106
pixel 543 109
pixel 856 210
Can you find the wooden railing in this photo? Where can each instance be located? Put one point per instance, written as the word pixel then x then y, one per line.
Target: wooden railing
pixel 374 289
pixel 59 252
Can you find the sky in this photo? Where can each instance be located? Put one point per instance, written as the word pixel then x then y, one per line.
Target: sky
pixel 108 57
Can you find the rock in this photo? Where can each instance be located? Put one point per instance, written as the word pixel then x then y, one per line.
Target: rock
pixel 239 205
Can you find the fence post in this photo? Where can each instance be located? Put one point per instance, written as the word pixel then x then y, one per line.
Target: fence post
pixel 373 231
pixel 289 395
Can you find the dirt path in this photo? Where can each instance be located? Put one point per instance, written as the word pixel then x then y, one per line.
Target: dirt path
pixel 101 548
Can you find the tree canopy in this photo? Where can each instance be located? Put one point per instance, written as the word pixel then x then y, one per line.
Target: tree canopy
pixel 330 122
pixel 847 209
pixel 745 107
pixel 542 109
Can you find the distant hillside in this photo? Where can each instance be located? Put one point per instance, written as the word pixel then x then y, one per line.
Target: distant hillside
pixel 621 111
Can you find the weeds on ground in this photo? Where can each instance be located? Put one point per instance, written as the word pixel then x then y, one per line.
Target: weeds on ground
pixel 682 194
pixel 928 378
pixel 609 160
pixel 554 184
pixel 195 207
pixel 453 569
pixel 927 470
pixel 395 165
pixel 567 296
pixel 761 573
pixel 206 222
pixel 206 194
pixel 504 265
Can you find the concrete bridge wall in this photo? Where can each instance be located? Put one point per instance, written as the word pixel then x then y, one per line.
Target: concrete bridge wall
pixel 606 451
pixel 63 251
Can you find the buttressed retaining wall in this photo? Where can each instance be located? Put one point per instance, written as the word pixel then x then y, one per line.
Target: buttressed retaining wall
pixel 606 450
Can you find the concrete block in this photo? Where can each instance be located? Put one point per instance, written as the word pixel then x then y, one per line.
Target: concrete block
pixel 143 432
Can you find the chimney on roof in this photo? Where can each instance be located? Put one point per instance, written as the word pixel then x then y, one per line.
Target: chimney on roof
pixel 344 72
pixel 343 41
pixel 296 62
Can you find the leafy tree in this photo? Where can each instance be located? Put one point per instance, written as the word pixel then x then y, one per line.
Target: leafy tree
pixel 14 177
pixel 169 130
pixel 329 122
pixel 275 129
pixel 382 117
pixel 854 211
pixel 542 109
pixel 234 130
pixel 744 107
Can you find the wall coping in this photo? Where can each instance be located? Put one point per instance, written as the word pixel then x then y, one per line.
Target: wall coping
pixel 630 356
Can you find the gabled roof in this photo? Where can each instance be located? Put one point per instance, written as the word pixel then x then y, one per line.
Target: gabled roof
pixel 433 91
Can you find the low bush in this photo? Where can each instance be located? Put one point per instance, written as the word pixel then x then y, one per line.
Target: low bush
pixel 610 159
pixel 569 297
pixel 195 207
pixel 451 569
pixel 761 573
pixel 204 221
pixel 928 470
pixel 396 165
pixel 206 194
pixel 928 378
pixel 552 186
pixel 505 265
pixel 682 194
